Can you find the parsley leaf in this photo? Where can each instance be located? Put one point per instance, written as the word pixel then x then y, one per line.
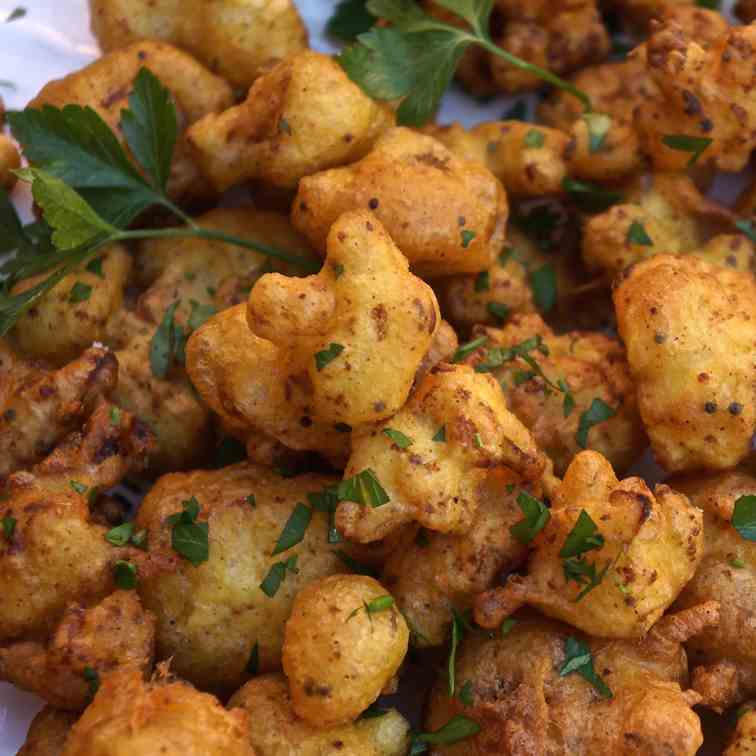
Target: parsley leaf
pixel 80 292
pixel 363 488
pixel 440 435
pixel 189 537
pixel 543 281
pixel 584 573
pixel 569 400
pixel 327 356
pixel 327 501
pixel 465 350
pixel 277 574
pixel 744 516
pixel 459 624
pixel 125 575
pixel 456 729
pixel 534 138
pixel 294 530
pixel 379 604
pixel 536 515
pixel 696 146
pixel 121 534
pixel 482 281
pixel 166 342
pixel 9 527
pixel 583 537
pixel 597 413
pixel 467 237
pixel 637 234
pixel 398 438
pixel 93 678
pixel 507 626
pixel 466 693
pixel 350 19
pixel 578 660
pixel 498 310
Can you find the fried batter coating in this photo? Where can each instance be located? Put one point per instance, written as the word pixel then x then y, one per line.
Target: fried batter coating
pixel 342 346
pixel 703 93
pixel 727 574
pixel 677 219
pixel 75 313
pixel 446 214
pixel 524 706
pixel 593 366
pixel 441 571
pixel 114 634
pixel 105 85
pixel 129 716
pixel 650 546
pixel 689 328
pixel 303 116
pixel 233 38
pixel 211 617
pixel 743 741
pixel 527 159
pixel 39 407
pixel 640 13
pixel 460 430
pixel 56 553
pixel 275 730
pixel 340 648
pixel 47 733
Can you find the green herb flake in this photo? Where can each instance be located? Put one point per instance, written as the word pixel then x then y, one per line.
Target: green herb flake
pixel 350 19
pixel 253 663
pixel 440 435
pixel 536 516
pixel 498 311
pixel 483 281
pixel 199 314
pixel 696 146
pixel 363 488
pixel 93 678
pixel 121 534
pixel 294 530
pixel 80 292
pixel 326 501
pixel 583 537
pixel 637 234
pixel 327 356
pixel 599 412
pixel 284 127
pixel 377 605
pixel 506 627
pixel 711 4
pixel 165 344
pixel 598 127
pixel 569 400
pixel 543 281
pixel 591 198
pixel 277 574
pixel 744 516
pixel 189 538
pixel 466 693
pixel 139 539
pixel 398 438
pixel 80 488
pixel 737 563
pixel 467 236
pixel 15 14
pixel 578 660
pixel 9 527
pixel 458 728
pixel 115 416
pixel 459 624
pixel 125 575
pixel 251 500
pixel 467 349
pixel 534 139
pixel 95 266
pixel 338 270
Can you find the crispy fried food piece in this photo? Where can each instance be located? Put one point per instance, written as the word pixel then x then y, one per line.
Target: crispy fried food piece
pixel 38 407
pixel 10 160
pixel 592 365
pixel 169 406
pixel 342 346
pixel 303 116
pixel 47 733
pixel 701 23
pixel 440 571
pixel 689 328
pixel 525 706
pixel 56 554
pixel 650 546
pixel 114 634
pixel 211 617
pixel 233 38
pixel 276 730
pixel 446 214
pixel 743 741
pixel 704 93
pixel 460 430
pixel 677 219
pixel 527 159
pixel 105 86
pixel 75 313
pixel 129 716
pixel 340 648
pixel 727 574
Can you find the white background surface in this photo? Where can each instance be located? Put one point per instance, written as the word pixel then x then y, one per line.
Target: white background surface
pixel 53 39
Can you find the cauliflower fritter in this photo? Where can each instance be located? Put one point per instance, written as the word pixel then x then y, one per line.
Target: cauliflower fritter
pixel 339 347
pixel 743 741
pixel 527 159
pixel 129 716
pixel 275 730
pixel 446 214
pixel 211 617
pixel 105 85
pixel 674 218
pixel 690 328
pixel 344 642
pixel 114 634
pixel 440 571
pixel 54 553
pixel 526 704
pixel 302 116
pixel 233 38
pixel 76 312
pixel 591 365
pixel 704 94
pixel 460 430
pixel 727 574
pixel 39 407
pixel 611 558
pixel 47 733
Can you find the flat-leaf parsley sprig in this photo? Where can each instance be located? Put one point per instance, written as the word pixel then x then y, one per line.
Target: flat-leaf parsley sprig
pixel 90 191
pixel 415 57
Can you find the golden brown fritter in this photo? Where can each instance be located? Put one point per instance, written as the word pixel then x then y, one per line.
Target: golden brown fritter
pixel 591 365
pixel 446 214
pixel 341 648
pixel 47 733
pixel 727 574
pixel 233 38
pixel 438 571
pixel 275 730
pixel 211 617
pixel 106 84
pixel 129 716
pixel 743 740
pixel 56 553
pixel 525 704
pixel 302 116
pixel 460 430
pixel 114 634
pixel 76 312
pixel 612 580
pixel 690 328
pixel 38 407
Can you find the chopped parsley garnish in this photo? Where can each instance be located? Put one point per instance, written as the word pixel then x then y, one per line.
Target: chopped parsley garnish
pixel 167 343
pixel 93 678
pixel 251 500
pixel 578 660
pixel 543 281
pixel 637 234
pixel 125 575
pixel 737 563
pixel 277 574
pixel 95 266
pixel 80 292
pixel 294 530
pixel 465 350
pixel 498 310
pixel 583 537
pixel 284 126
pixel 569 400
pixel 199 314
pixel 534 138
pixel 189 537
pixel 440 435
pixel 744 516
pixel 460 623
pixel 590 198
pixel 483 281
pixel 80 488
pixel 536 515
pixel 466 693
pixel 506 627
pixel 379 604
pixel 326 501
pixel 115 416
pixel 467 236
pixel 325 357
pixel 363 488
pixel 9 527
pixel 597 413
pixel 458 728
pixel 696 146
pixel 120 535
pixel 398 438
